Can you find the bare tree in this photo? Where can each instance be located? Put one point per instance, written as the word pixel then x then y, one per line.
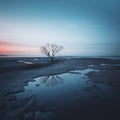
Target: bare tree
pixel 51 50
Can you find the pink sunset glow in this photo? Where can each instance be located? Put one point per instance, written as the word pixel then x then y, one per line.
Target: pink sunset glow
pixel 9 48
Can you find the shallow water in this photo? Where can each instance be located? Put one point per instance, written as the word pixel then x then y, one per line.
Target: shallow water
pixel 72 96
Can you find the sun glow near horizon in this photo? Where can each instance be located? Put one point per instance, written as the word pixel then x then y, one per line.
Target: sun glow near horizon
pixel 7 48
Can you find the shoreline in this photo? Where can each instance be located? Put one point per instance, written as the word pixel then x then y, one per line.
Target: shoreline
pixel 26 74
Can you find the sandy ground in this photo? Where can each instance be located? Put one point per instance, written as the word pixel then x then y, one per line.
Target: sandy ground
pixel 15 73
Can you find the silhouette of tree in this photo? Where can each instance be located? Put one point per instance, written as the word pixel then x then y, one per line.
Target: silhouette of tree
pixel 50 50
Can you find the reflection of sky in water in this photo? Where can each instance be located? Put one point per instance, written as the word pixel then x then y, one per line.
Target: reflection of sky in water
pixel 71 90
pixel 67 88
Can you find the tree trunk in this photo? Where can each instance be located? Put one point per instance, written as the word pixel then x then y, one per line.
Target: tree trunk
pixel 52 59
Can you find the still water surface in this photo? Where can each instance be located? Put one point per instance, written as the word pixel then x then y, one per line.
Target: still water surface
pixel 73 96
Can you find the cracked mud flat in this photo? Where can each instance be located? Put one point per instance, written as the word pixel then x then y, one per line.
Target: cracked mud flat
pixel 87 88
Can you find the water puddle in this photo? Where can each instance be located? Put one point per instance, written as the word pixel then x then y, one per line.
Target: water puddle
pixel 70 95
pixel 110 65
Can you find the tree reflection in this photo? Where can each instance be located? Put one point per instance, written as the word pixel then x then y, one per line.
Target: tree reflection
pixel 51 80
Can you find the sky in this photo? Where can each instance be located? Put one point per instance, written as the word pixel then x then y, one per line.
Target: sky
pixel 82 27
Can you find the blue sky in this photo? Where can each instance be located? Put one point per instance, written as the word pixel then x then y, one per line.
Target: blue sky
pixel 83 27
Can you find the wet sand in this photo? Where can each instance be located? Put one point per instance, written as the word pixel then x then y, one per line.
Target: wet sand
pixel 15 73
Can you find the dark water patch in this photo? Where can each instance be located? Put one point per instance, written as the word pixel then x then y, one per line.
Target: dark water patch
pixel 70 96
